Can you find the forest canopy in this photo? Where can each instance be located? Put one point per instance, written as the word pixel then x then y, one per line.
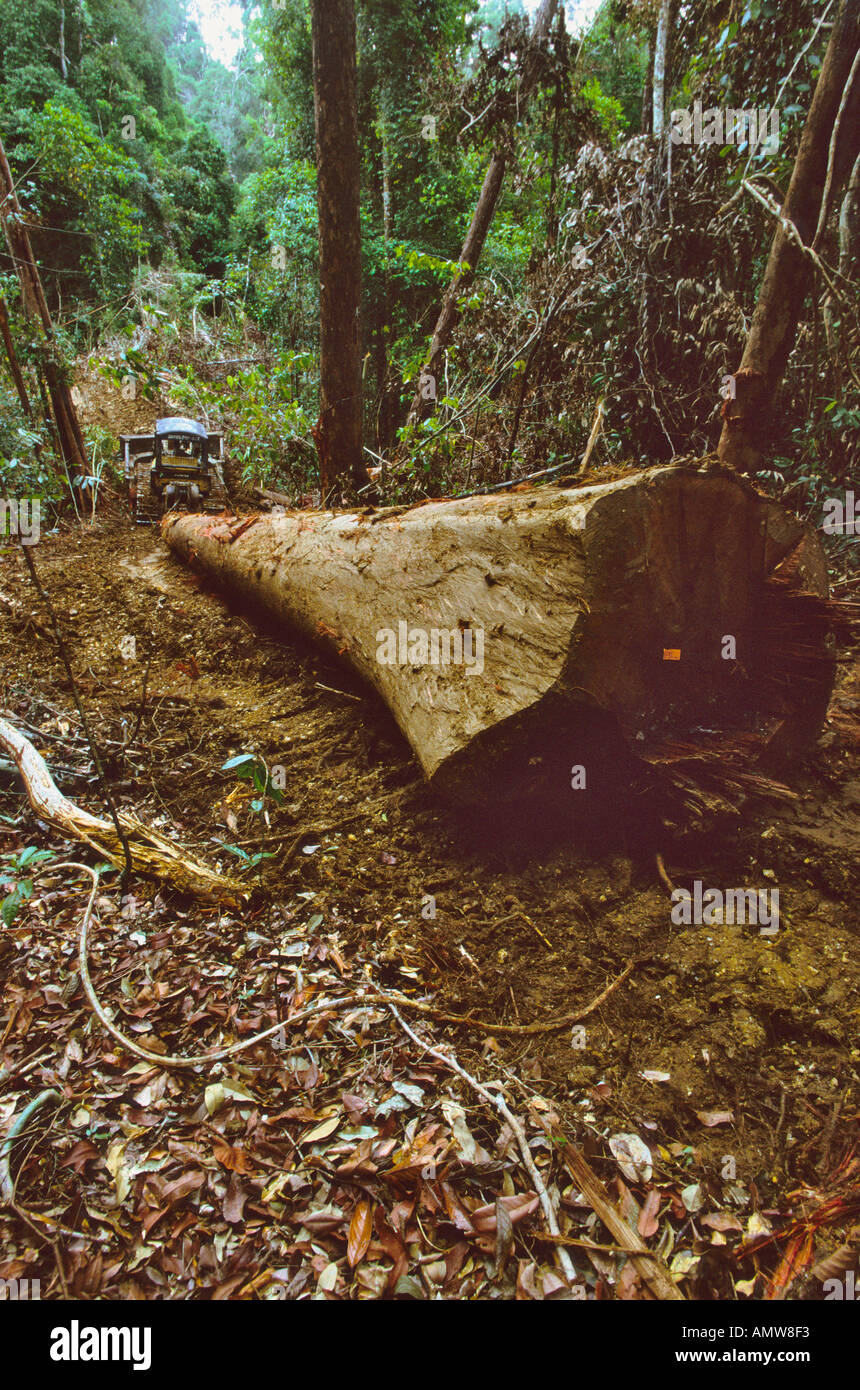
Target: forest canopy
pixel 171 198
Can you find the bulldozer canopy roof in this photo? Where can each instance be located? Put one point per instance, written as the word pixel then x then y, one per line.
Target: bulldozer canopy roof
pixel 178 425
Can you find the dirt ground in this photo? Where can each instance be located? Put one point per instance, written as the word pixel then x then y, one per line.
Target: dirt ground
pixel 732 1055
pixel 526 927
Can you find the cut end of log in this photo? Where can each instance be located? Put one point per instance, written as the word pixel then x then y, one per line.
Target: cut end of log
pixel 550 643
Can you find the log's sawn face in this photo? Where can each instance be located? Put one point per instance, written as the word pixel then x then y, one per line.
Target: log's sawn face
pixel 576 622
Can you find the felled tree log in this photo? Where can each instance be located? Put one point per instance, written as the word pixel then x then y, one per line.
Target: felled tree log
pixel 593 620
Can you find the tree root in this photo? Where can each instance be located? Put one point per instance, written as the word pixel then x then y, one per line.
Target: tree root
pixel 7 1181
pixel 359 999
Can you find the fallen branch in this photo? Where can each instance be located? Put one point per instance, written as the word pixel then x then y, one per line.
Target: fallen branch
pixel 597 426
pixel 664 877
pixel 168 1060
pixel 498 1103
pixel 8 1182
pixel 23 1068
pixel 648 1265
pixel 151 852
pixel 513 1030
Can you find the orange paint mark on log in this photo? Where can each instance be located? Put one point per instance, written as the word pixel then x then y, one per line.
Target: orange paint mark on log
pixel 671 654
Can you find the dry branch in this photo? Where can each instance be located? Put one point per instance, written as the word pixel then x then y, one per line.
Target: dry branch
pixel 649 1265
pixel 499 1103
pixel 152 853
pixel 361 998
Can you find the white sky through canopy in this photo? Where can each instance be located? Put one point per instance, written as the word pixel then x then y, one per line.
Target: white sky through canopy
pixel 220 23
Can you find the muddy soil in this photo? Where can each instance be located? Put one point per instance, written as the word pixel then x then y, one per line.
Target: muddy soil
pixel 527 920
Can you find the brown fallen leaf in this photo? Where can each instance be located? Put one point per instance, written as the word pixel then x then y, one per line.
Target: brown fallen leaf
pixel 234 1160
pixel 455 1211
pixel 360 1230
pixel 834 1265
pixel 504 1236
pixel 234 1201
pixel 182 1187
pixel 648 1225
pixel 359 1159
pixel 521 1205
pixel 321 1221
pixel 527 1286
pixel 721 1221
pixel 356 1107
pixel 83 1153
pixel 393 1247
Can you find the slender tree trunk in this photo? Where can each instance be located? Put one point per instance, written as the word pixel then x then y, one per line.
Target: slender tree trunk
pixel 481 220
pixel 747 418
pixel 338 435
pixel 12 358
pixel 61 53
pixel 849 264
pixel 849 227
pixel 551 213
pixel 646 118
pixel 69 432
pixel 385 421
pixel 662 43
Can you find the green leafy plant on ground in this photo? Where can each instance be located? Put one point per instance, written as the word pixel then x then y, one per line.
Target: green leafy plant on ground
pixel 21 888
pixel 250 768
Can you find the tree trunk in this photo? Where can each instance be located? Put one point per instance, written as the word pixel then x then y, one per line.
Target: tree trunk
pixel 61 52
pixel 338 435
pixel 849 227
pixel 152 852
pixel 558 106
pixel 69 433
pixel 849 265
pixel 661 63
pixel 386 398
pixel 646 115
pixel 747 419
pixel 477 234
pixel 12 359
pixel 575 631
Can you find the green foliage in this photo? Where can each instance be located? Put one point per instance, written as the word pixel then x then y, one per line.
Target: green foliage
pixel 107 159
pixel 82 181
pixel 284 37
pixel 20 887
pixel 615 64
pixel 27 469
pixel 250 768
pixel 268 427
pixel 202 194
pixel 608 110
pixel 132 371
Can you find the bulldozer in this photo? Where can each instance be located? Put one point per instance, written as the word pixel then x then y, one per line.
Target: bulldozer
pixel 177 466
